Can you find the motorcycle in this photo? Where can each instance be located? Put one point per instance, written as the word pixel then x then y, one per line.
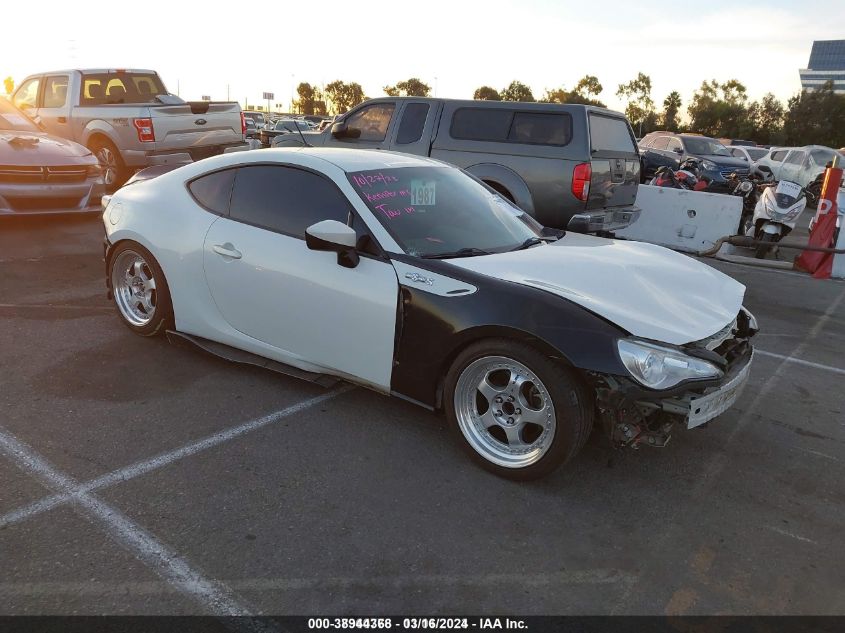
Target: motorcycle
pixel 685 178
pixel 776 213
pixel 749 188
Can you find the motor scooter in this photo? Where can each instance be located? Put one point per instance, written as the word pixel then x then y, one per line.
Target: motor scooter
pixel 775 214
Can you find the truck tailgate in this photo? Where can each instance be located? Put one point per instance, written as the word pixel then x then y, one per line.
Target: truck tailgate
pixel 615 162
pixel 195 125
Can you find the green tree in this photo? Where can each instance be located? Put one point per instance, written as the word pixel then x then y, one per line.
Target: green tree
pixel 671 106
pixel 344 96
pixel 9 85
pixel 307 98
pixel 486 93
pixel 412 87
pixel 588 86
pixel 719 109
pixel 764 123
pixel 816 118
pixel 640 108
pixel 517 91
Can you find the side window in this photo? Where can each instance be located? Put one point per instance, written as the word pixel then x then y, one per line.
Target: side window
pixel 412 124
pixel 372 121
pixel 55 92
pixel 674 144
pixel 543 129
pixel 660 143
pixel 285 199
pixel 27 94
pixel 821 157
pixel 794 158
pixel 214 190
pixel 481 124
pixel 779 155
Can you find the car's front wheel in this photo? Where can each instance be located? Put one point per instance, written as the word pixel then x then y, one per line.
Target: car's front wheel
pixel 140 290
pixel 519 413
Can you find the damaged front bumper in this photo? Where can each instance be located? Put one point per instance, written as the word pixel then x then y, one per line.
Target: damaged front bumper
pixel 632 415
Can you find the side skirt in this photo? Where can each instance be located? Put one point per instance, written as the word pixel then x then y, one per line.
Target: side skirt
pixel 235 355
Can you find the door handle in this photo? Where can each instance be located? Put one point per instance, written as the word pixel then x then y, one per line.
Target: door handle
pixel 227 250
pixel 62 119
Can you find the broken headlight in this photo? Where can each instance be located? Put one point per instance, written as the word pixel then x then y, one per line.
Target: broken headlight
pixel 659 367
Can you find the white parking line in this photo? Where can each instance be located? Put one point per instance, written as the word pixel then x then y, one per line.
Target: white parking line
pixel 798 361
pixel 166 563
pixel 140 468
pixel 791 535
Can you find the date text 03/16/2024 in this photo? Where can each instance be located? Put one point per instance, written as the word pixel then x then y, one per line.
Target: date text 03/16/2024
pixel 413 624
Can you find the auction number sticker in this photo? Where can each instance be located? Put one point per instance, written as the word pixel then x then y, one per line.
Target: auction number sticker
pixel 422 193
pixel 788 188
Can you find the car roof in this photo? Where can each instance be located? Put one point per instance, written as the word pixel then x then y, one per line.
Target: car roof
pixel 364 159
pixel 483 103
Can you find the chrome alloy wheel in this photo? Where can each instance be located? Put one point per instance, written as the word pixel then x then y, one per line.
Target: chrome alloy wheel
pixel 504 411
pixel 134 288
pixel 108 163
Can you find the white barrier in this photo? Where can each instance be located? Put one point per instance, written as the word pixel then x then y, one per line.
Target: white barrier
pixel 682 220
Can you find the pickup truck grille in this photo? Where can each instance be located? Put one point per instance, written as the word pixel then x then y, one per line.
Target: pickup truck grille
pixel 27 174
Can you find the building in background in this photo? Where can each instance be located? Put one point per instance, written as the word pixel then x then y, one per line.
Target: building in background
pixel 827 63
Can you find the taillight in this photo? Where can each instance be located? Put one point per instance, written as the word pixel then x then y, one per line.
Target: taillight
pixel 144 127
pixel 581 181
pixel 243 124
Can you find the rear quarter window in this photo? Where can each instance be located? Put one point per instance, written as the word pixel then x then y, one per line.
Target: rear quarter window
pixel 612 134
pixel 511 126
pixel 213 191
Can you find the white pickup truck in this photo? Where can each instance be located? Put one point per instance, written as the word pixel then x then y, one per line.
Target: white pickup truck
pixel 128 120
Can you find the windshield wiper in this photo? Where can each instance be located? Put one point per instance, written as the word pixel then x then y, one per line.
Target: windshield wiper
pixel 532 241
pixel 463 252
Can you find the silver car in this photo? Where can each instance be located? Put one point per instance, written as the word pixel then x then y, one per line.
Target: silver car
pixel 41 173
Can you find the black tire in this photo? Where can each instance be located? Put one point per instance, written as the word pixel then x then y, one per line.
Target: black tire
pixel 763 249
pixel 815 193
pixel 111 162
pixel 161 317
pixel 572 402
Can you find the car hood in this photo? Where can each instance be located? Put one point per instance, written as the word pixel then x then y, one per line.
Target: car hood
pixel 648 290
pixel 724 161
pixel 39 148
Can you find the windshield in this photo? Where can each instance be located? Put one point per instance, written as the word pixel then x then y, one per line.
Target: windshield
pixel 433 211
pixel 705 146
pixel 13 119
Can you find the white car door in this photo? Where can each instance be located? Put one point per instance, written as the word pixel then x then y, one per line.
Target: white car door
pixel 269 286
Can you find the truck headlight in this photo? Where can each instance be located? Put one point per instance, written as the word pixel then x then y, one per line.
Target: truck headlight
pixel 659 367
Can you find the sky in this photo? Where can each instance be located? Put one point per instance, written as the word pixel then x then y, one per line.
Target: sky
pixel 239 50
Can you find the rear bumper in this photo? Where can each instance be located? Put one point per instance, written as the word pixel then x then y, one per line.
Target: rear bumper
pixel 138 159
pixel 603 220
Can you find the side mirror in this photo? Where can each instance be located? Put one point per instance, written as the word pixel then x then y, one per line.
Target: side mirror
pixel 341 130
pixel 334 236
pixel 678 150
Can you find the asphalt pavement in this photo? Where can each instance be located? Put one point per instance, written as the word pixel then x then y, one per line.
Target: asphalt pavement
pixel 145 478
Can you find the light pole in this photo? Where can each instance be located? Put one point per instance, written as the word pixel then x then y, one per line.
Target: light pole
pixel 435 86
pixel 292 108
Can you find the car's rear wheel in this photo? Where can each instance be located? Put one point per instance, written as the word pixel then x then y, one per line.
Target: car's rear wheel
pixel 140 290
pixel 517 412
pixel 111 164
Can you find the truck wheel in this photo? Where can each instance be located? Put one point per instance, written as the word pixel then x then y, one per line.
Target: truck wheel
pixel 518 413
pixel 114 171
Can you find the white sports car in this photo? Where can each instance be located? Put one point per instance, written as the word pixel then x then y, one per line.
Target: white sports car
pixel 407 276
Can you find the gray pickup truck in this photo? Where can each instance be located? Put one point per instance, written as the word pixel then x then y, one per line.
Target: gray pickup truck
pixel 128 119
pixel 570 166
